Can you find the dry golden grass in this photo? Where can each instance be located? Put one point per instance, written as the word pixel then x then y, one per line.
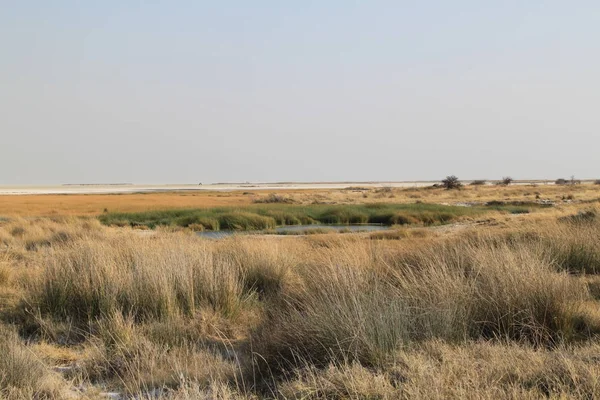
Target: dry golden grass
pixel 507 309
pixel 474 370
pixel 94 204
pixel 468 194
pixel 22 374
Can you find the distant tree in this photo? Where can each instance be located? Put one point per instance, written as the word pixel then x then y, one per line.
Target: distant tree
pixel 560 181
pixel 507 180
pixel 451 182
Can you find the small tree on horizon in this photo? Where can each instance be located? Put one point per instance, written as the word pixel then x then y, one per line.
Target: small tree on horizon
pixel 451 182
pixel 507 180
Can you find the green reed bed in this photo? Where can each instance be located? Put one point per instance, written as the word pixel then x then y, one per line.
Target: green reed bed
pixel 260 217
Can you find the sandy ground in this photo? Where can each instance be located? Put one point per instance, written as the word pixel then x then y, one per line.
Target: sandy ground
pixel 116 189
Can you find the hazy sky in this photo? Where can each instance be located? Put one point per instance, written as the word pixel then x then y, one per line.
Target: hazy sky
pixel 189 91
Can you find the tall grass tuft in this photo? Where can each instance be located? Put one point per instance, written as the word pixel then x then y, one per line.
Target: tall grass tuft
pixel 264 267
pixel 121 354
pixel 22 374
pixel 147 278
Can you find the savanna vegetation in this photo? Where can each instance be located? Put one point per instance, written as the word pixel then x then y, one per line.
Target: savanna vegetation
pixel 473 192
pixel 501 305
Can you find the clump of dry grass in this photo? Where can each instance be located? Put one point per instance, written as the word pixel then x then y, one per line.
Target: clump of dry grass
pixel 5 272
pixel 265 267
pixel 274 198
pixel 36 234
pixel 220 391
pixel 342 381
pixel 122 354
pixel 22 374
pixel 575 245
pixel 157 277
pixel 570 242
pixel 146 277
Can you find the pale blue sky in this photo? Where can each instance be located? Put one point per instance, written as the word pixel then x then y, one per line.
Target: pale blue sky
pixel 188 91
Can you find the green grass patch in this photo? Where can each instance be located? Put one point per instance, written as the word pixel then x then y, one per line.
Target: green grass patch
pixel 516 207
pixel 260 217
pixel 245 221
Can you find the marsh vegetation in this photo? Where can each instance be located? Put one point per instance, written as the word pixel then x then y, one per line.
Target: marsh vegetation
pixel 267 217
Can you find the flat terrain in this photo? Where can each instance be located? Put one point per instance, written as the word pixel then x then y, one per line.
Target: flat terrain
pixel 131 188
pixel 79 204
pixel 94 204
pixel 127 188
